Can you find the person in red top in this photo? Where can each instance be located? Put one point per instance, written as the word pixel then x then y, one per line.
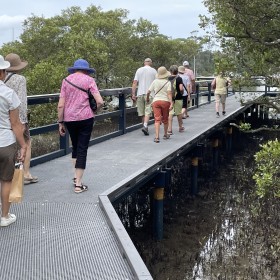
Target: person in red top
pixel 75 114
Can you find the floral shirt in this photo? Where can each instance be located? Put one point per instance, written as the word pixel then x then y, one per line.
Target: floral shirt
pixel 76 106
pixel 18 84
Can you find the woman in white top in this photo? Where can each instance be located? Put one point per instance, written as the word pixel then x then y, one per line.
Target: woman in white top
pixel 11 131
pixel 162 101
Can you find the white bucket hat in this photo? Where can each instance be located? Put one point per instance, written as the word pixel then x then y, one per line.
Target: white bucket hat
pixel 3 63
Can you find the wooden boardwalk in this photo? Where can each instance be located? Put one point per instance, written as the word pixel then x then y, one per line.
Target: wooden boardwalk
pixel 63 235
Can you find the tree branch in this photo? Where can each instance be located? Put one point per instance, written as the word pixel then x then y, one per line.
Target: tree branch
pixel 255 130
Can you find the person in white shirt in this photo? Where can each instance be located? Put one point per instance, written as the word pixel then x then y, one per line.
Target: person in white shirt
pixel 11 133
pixel 144 77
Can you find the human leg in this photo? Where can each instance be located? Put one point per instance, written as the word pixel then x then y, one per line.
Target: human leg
pixel 223 101
pixel 217 100
pixel 165 117
pixel 158 118
pixel 28 178
pixel 85 129
pixel 7 167
pixel 5 193
pixel 170 122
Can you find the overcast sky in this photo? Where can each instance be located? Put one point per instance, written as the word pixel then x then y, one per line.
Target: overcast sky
pixel 175 18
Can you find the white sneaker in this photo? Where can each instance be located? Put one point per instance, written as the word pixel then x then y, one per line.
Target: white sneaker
pixel 7 221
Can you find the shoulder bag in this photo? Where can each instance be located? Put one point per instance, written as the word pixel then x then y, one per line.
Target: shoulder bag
pixel 92 101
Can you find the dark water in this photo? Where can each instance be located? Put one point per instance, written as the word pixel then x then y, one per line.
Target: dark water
pixel 225 232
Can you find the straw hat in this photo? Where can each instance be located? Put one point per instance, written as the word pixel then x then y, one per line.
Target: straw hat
pixel 181 69
pixel 162 73
pixel 16 63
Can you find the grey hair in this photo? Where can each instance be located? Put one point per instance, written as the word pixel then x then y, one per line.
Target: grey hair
pixel 173 69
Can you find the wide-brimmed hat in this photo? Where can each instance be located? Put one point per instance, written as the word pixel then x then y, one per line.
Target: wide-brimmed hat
pixel 162 73
pixel 16 63
pixel 3 63
pixel 186 63
pixel 181 69
pixel 81 64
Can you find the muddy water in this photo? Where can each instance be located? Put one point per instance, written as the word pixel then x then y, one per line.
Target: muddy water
pixel 225 232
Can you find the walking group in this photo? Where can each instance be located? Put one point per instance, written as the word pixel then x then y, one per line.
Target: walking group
pixel 164 94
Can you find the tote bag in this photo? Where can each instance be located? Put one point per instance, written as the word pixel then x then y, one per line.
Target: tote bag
pixel 17 185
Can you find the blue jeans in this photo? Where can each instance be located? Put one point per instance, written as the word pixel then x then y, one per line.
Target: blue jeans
pixel 80 132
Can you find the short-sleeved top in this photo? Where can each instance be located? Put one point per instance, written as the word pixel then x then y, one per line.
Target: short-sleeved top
pixel 186 82
pixel 18 84
pixel 191 76
pixel 221 85
pixel 179 81
pixel 144 76
pixel 76 106
pixel 161 87
pixel 8 101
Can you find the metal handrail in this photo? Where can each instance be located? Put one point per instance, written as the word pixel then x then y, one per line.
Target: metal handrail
pixel 121 113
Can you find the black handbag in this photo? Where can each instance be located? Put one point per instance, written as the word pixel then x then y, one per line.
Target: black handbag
pixel 92 101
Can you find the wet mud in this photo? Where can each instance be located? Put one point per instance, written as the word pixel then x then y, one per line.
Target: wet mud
pixel 225 232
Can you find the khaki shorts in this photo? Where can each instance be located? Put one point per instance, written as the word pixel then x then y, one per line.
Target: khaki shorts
pixel 144 108
pixel 177 108
pixel 7 162
pixel 220 98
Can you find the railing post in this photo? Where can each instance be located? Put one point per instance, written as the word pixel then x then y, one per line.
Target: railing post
pixel 64 143
pixel 122 118
pixel 197 94
pixel 209 92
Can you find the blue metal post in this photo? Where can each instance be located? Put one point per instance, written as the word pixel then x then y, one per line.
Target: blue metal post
pixel 122 118
pixel 160 181
pixel 158 213
pixel 229 142
pixel 215 146
pixel 197 94
pixel 194 175
pixel 209 92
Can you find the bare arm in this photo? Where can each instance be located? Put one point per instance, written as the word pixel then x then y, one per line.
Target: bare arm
pixel 18 128
pixel 99 100
pixel 60 113
pixel 133 91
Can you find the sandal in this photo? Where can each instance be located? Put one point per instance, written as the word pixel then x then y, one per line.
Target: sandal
pixel 165 137
pixel 79 189
pixel 30 180
pixel 181 129
pixel 170 132
pixel 156 140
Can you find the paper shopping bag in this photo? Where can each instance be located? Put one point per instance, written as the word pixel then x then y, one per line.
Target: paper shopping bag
pixel 17 185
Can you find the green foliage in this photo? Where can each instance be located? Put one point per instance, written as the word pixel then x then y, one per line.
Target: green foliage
pixel 113 44
pixel 268 170
pixel 248 32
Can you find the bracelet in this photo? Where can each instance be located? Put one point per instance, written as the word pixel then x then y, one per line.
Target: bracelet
pixel 61 122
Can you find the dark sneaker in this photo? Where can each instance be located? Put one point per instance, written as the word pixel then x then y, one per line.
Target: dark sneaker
pixel 145 130
pixel 217 114
pixel 224 113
